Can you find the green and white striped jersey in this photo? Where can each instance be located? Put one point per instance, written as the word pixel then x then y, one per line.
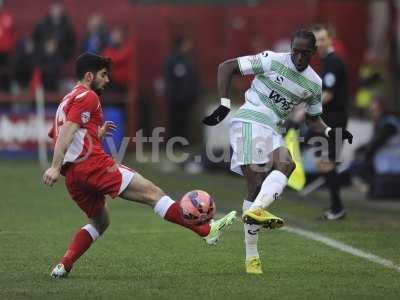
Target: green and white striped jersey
pixel 277 88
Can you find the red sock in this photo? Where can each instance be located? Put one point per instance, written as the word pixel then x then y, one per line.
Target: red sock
pixel 174 215
pixel 79 245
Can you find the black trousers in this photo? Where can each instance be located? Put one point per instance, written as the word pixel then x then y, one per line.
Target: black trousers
pixel 332 178
pixel 338 121
pixel 179 118
pixel 5 71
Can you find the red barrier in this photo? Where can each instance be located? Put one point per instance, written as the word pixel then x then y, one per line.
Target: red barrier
pixel 219 32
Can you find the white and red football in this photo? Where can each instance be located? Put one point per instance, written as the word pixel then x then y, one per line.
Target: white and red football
pixel 197 207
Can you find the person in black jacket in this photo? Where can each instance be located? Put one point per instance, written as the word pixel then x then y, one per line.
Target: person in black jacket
pixel 381 155
pixel 335 101
pixel 50 63
pixel 182 86
pixel 55 25
pixel 24 63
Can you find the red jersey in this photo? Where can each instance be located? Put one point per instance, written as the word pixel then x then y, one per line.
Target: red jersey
pixel 81 106
pixel 7 33
pixel 121 68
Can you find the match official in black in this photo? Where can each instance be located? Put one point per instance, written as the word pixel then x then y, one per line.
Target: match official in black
pixel 335 102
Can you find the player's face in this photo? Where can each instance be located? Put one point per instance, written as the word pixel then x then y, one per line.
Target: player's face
pixel 100 81
pixel 324 41
pixel 301 53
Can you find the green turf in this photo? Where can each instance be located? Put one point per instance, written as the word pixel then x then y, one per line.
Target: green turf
pixel 143 257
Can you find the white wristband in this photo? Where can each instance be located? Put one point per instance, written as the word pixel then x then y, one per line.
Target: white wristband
pixel 226 102
pixel 327 131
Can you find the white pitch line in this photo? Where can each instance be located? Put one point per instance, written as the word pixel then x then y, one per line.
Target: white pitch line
pixel 342 247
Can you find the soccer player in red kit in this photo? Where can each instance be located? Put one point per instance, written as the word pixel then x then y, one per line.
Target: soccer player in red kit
pixel 90 173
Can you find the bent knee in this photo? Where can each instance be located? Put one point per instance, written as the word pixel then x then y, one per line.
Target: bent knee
pixel 254 190
pixel 286 167
pixel 101 222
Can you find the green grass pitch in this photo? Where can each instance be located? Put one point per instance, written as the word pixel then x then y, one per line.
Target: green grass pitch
pixel 144 257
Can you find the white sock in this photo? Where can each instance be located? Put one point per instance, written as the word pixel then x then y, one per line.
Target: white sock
pixel 271 189
pixel 92 231
pixel 163 205
pixel 250 234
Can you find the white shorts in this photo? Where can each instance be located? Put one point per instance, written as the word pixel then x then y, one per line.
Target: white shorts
pixel 252 144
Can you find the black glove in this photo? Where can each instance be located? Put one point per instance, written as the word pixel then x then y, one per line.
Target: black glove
pixel 346 135
pixel 217 116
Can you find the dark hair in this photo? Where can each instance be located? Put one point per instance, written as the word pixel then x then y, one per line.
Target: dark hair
pixel 305 34
pixel 90 62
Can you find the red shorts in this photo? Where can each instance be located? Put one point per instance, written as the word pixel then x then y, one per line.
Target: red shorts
pixel 89 181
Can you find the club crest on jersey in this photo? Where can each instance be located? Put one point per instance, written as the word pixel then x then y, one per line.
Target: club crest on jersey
pixel 85 117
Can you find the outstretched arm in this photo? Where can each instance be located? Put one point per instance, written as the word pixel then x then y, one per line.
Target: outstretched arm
pixel 317 125
pixel 379 139
pixel 226 70
pixel 245 65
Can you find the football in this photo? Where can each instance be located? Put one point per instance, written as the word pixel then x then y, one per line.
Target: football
pixel 197 207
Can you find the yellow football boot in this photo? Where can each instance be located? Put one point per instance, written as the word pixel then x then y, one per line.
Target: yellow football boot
pixel 253 265
pixel 262 217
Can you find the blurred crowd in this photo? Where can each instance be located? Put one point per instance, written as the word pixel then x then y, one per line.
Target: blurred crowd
pixel 52 44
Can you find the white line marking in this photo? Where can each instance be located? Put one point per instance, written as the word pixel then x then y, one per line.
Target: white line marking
pixel 342 247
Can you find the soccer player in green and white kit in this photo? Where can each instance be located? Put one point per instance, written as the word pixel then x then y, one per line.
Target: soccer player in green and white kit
pixel 282 81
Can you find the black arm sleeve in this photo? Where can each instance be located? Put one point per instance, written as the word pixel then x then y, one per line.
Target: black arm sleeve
pixel 331 77
pixel 382 135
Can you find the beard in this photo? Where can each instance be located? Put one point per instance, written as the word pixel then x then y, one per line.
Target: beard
pixel 95 87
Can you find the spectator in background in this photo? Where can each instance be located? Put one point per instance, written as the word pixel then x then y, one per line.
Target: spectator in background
pixel 55 25
pixel 120 51
pixel 182 86
pixel 96 36
pixel 50 62
pixel 371 82
pixel 24 63
pixel 7 45
pixel 381 155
